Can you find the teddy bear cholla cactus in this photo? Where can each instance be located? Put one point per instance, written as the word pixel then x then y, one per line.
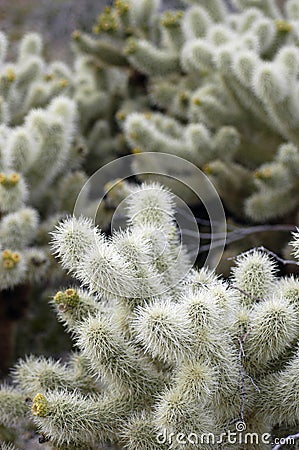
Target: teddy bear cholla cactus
pixel 28 82
pixel 225 84
pixel 247 62
pixel 34 156
pixel 163 349
pixel 31 157
pixel 108 87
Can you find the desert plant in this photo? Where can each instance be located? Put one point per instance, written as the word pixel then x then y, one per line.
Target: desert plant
pixel 165 352
pixel 40 175
pixel 213 85
pixel 28 81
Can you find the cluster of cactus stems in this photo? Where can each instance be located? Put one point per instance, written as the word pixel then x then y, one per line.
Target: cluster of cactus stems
pixel 28 82
pixel 215 86
pixel 163 351
pixel 39 175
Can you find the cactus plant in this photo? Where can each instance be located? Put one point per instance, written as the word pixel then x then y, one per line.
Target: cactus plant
pixel 166 353
pixel 213 85
pixel 40 176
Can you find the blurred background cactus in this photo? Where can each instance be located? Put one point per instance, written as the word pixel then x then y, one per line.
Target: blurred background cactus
pixel 39 177
pixel 56 20
pixel 215 83
pixel 28 153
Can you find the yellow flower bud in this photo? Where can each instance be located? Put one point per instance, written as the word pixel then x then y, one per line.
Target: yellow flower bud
pixel 6 254
pixel 8 264
pixel 16 257
pixel 122 7
pixel 131 46
pixel 120 115
pixel 58 298
pixel 63 82
pixel 71 297
pixel 263 174
pixel 70 292
pixel 14 178
pixel 40 406
pixel 10 74
pixel 49 77
pixel 196 101
pixel 283 26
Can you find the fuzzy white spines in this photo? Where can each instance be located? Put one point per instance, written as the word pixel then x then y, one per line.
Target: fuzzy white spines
pixel 151 214
pixel 140 263
pixel 37 264
pixel 197 380
pixel 91 421
pixel 38 374
pixel 282 388
pixel 66 110
pixel 111 357
pixel 21 149
pixel 212 339
pixel 164 330
pixel 175 414
pixel 265 31
pixel 18 229
pixel 292 9
pixel 198 55
pixel 288 57
pixel 13 409
pixel 151 204
pixel 151 60
pixel 269 82
pixel 273 329
pixel 181 356
pixel 72 239
pixel 136 247
pixel 244 66
pixel 142 13
pixel 254 275
pixel 105 272
pixel 196 22
pixel 13 191
pixel 288 288
pixel 201 309
pixel 168 260
pixel 53 130
pixel 31 44
pixel 140 432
